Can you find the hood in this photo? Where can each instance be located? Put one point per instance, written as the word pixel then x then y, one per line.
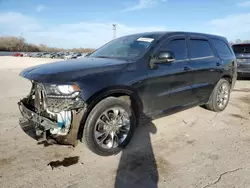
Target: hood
pixel 71 70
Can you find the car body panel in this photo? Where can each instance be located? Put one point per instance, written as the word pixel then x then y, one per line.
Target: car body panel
pixel 71 71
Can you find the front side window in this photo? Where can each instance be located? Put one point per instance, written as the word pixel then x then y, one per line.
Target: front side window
pixel 128 47
pixel 178 47
pixel 199 48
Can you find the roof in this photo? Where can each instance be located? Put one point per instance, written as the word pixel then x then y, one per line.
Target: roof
pixel 179 32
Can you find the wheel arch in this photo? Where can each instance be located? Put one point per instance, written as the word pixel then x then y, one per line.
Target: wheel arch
pixel 228 77
pixel 124 92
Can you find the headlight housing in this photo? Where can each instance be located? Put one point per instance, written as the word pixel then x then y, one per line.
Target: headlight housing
pixel 61 91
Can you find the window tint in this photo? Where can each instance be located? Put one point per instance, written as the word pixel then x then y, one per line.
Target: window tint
pixel 200 48
pixel 241 48
pixel 222 48
pixel 178 47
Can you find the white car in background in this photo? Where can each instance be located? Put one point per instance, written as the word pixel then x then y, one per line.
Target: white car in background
pixel 25 55
pixel 69 56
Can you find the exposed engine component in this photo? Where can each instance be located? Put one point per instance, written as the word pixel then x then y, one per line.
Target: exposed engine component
pixel 49 114
pixel 64 120
pixel 58 104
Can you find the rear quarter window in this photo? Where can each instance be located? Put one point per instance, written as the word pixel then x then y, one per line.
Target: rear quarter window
pixel 222 48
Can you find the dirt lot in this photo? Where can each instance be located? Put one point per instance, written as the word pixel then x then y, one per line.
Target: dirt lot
pixel 193 148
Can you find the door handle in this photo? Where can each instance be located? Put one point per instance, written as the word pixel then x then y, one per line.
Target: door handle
pixel 218 64
pixel 187 68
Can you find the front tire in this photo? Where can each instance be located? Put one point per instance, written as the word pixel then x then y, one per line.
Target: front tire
pixel 109 126
pixel 220 96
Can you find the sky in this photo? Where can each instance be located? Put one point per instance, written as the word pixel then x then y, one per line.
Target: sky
pixel 88 23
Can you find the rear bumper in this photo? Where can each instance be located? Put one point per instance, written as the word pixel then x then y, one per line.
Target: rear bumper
pixel 243 68
pixel 243 71
pixel 243 74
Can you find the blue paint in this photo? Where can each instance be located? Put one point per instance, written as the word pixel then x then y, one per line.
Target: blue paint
pixel 60 124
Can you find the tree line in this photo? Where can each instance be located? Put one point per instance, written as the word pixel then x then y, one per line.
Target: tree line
pixel 18 44
pixel 238 41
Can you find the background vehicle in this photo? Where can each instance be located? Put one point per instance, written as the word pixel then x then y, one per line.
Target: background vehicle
pixel 76 55
pixel 101 98
pixel 242 52
pixel 18 54
pixel 68 55
pixel 39 55
pixel 31 54
pixel 81 56
pixel 46 55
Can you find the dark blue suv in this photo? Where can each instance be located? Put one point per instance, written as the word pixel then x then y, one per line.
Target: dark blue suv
pixel 102 97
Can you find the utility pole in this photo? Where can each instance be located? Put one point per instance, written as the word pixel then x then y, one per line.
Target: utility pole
pixel 20 45
pixel 114 31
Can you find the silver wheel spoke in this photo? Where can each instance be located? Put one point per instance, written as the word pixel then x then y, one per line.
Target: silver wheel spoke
pixel 119 118
pixel 99 134
pixel 116 113
pixel 112 139
pixel 113 143
pixel 103 122
pixel 115 140
pixel 124 129
pixel 105 136
pixel 107 116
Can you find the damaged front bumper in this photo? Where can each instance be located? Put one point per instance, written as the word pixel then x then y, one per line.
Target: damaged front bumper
pixel 42 113
pixel 43 122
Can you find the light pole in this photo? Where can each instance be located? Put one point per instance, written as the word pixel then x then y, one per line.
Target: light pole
pixel 114 31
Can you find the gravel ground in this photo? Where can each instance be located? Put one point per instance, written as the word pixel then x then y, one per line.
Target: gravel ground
pixel 192 148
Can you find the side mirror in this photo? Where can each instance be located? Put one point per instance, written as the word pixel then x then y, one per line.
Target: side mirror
pixel 165 57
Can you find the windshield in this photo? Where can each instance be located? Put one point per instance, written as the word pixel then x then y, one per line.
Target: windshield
pixel 128 47
pixel 242 48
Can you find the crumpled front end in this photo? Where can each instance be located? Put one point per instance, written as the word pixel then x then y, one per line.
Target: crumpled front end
pixel 53 116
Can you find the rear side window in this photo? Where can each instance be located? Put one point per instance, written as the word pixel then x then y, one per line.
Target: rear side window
pixel 178 47
pixel 199 48
pixel 222 48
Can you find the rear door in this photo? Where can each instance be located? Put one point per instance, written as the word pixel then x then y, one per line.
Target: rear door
pixel 205 66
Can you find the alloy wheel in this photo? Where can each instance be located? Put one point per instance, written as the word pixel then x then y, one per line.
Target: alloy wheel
pixel 223 95
pixel 112 128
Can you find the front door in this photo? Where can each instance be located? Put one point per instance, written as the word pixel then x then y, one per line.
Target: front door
pixel 170 83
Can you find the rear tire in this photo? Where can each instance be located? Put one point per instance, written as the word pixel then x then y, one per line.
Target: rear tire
pixel 98 126
pixel 220 96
